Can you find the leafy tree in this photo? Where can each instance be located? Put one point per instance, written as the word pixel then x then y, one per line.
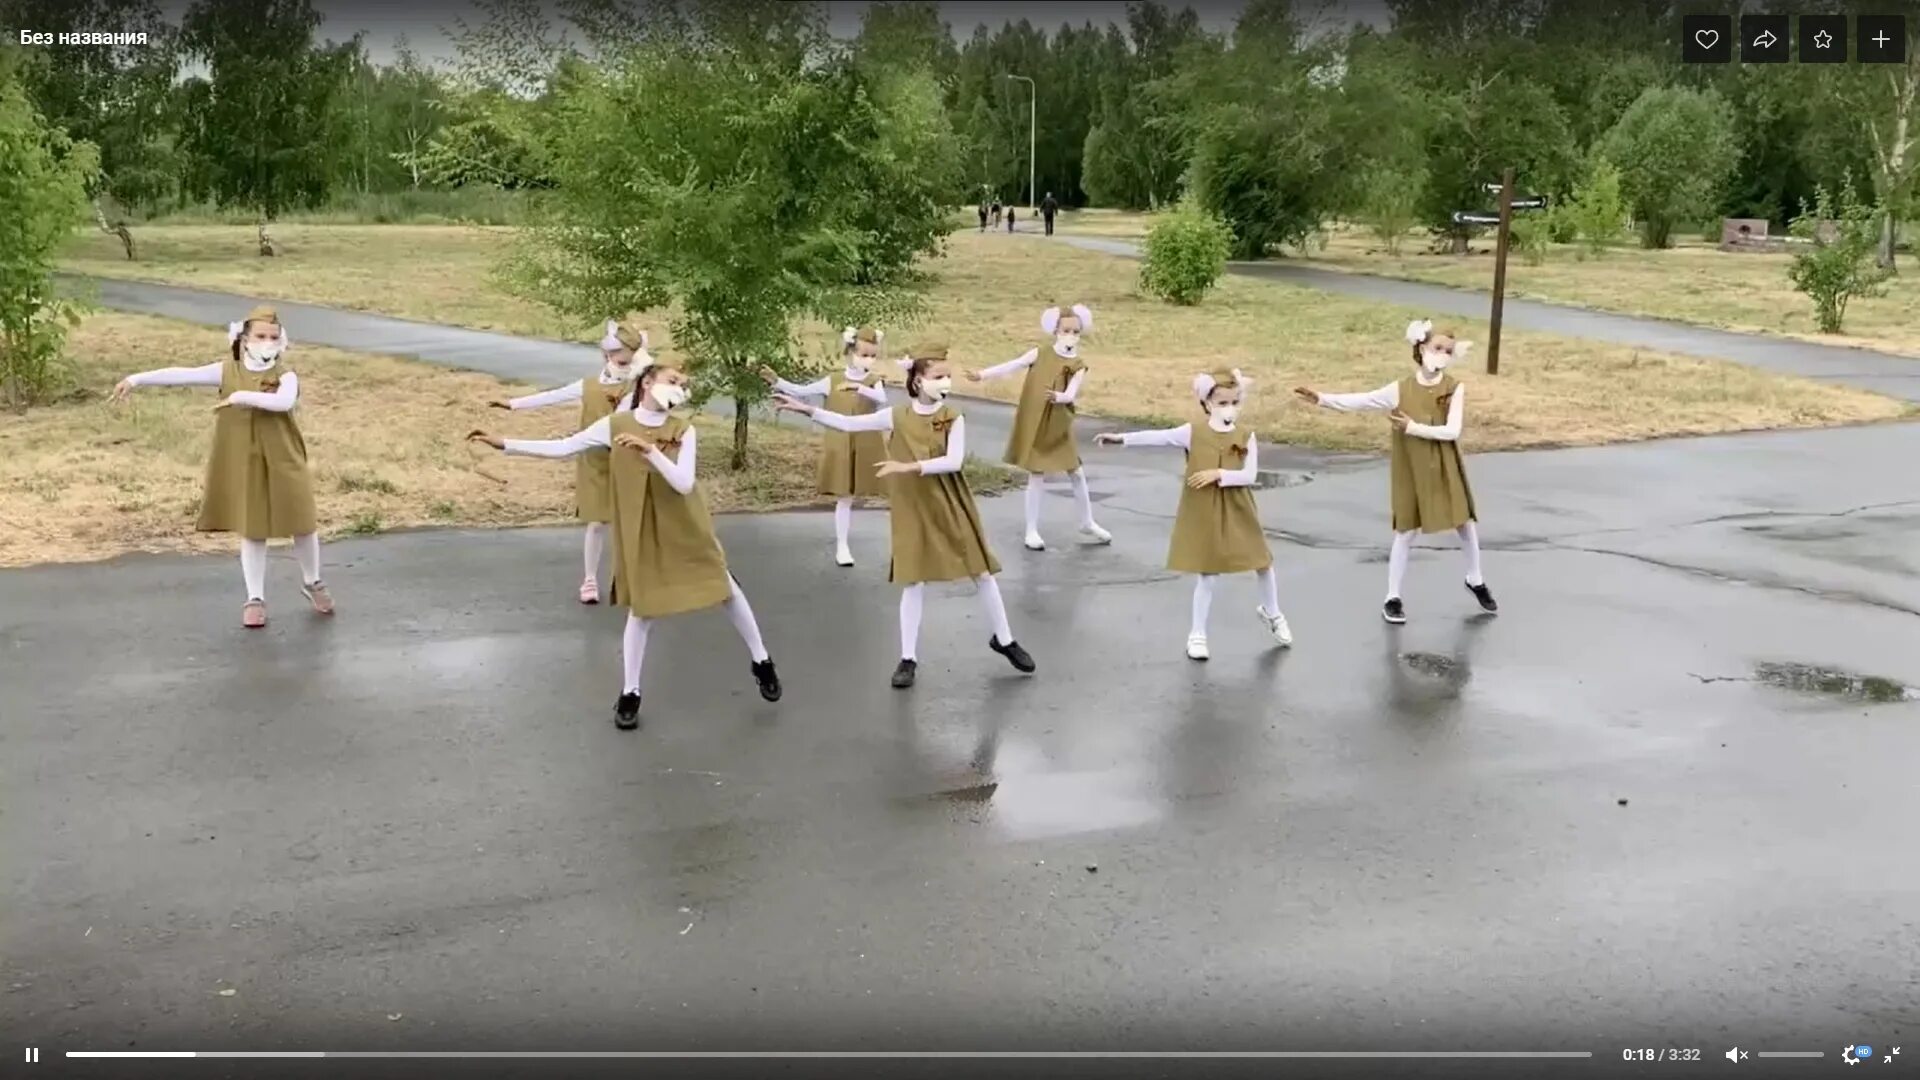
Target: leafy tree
pixel 709 172
pixel 44 189
pixel 113 96
pixel 1597 211
pixel 1494 124
pixel 1883 105
pixel 257 130
pixel 1391 202
pixel 1836 263
pixel 1674 148
pixel 1185 254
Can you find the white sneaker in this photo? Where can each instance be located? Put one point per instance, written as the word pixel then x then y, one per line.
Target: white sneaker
pixel 1276 625
pixel 1034 543
pixel 843 557
pixel 1092 531
pixel 1197 647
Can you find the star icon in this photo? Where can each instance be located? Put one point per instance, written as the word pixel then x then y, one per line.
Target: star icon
pixel 1822 40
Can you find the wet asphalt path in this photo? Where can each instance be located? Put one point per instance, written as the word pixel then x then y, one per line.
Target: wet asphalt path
pixel 1884 373
pixel 1578 826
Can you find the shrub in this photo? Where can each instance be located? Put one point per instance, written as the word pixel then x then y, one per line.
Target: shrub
pixel 1836 265
pixel 1597 209
pixel 43 193
pixel 1390 203
pixel 1185 254
pixel 1530 236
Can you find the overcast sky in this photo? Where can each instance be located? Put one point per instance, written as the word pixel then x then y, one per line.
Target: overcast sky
pixel 421 22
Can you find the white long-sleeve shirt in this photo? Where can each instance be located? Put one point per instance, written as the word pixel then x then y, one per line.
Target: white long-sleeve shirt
pixel 573 391
pixel 281 400
pixel 822 387
pixel 949 462
pixel 1182 437
pixel 1387 398
pixel 599 436
pixel 1026 360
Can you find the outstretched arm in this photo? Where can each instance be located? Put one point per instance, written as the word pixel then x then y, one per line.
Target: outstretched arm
pixel 1381 400
pixel 1245 475
pixel 597 436
pixel 817 388
pixel 873 421
pixel 1181 437
pixel 956 455
pixel 205 375
pixel 559 395
pixel 1448 432
pixel 1019 363
pixel 677 474
pixel 280 400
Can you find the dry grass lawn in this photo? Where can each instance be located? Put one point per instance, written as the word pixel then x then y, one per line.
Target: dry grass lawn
pixel 87 479
pixel 1555 391
pixel 1694 282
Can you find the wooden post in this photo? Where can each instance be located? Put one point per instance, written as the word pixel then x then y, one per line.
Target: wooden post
pixel 1500 271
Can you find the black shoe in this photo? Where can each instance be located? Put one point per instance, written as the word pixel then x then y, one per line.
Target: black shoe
pixel 1484 595
pixel 1015 655
pixel 903 675
pixel 768 679
pixel 1393 611
pixel 626 712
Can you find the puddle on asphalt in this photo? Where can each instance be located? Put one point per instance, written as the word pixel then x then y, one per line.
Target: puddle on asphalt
pixel 1445 668
pixel 1832 682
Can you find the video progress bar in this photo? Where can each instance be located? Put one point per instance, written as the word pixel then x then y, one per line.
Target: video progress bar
pixel 835 1054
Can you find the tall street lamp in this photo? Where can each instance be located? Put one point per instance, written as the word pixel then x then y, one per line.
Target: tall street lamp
pixel 1033 122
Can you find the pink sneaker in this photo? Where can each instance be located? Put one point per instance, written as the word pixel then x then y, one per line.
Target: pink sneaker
pixel 319 597
pixel 254 615
pixel 589 591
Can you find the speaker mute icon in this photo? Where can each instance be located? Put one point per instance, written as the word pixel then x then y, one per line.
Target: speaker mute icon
pixel 1737 1054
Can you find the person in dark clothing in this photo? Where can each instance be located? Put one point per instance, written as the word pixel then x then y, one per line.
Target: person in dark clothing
pixel 1049 207
pixel 983 217
pixel 1011 214
pixel 994 217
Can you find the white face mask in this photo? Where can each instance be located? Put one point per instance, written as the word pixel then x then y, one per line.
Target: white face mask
pixel 670 395
pixel 1434 361
pixel 861 364
pixel 1067 340
pixel 264 352
pixel 1223 416
pixel 936 389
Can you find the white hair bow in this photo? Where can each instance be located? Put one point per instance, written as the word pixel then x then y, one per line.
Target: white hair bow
pixel 1050 318
pixel 1203 385
pixel 1418 330
pixel 1085 315
pixel 1460 349
pixel 235 329
pixel 612 340
pixel 847 335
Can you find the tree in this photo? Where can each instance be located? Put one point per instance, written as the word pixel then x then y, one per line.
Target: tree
pixel 1836 262
pixel 1596 211
pixel 113 96
pixel 1499 121
pixel 1674 148
pixel 1390 202
pixel 44 189
pixel 709 172
pixel 257 129
pixel 1136 151
pixel 1881 100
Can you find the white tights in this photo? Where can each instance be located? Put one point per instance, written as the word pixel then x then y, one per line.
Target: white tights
pixel 253 563
pixel 1203 597
pixel 1036 488
pixel 633 643
pixel 1403 547
pixel 842 522
pixel 912 599
pixel 594 547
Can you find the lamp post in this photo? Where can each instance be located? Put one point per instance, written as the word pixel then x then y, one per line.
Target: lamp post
pixel 1033 123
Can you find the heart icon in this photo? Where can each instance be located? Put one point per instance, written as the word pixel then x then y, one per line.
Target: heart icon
pixel 1707 38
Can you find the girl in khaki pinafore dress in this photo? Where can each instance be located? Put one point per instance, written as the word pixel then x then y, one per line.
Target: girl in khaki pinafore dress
pixel 668 560
pixel 258 482
pixel 937 535
pixel 624 349
pixel 1042 440
pixel 1217 528
pixel 1430 492
pixel 847 459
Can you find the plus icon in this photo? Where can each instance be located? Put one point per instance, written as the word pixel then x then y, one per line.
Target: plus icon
pixel 1883 39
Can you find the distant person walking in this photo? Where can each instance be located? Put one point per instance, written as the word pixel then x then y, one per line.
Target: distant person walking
pixel 983 216
pixel 995 215
pixel 1011 215
pixel 1049 206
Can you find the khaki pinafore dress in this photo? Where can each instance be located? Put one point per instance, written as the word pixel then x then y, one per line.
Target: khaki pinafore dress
pixel 592 485
pixel 258 483
pixel 848 458
pixel 666 558
pixel 937 534
pixel 1042 439
pixel 1217 529
pixel 1430 491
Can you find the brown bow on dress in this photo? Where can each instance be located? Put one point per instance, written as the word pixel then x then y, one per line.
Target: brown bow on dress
pixel 270 384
